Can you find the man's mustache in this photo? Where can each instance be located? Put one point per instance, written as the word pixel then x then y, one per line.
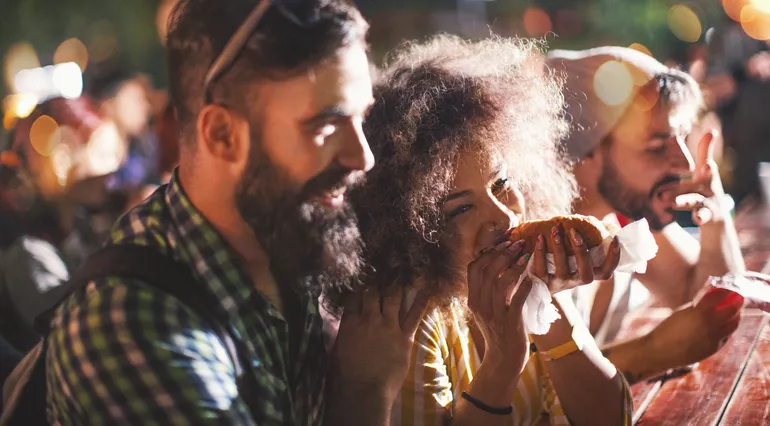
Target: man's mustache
pixel 334 177
pixel 669 179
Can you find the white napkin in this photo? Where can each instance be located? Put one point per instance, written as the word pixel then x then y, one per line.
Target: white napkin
pixel 637 246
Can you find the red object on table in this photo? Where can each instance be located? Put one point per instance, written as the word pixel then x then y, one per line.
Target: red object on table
pixel 732 387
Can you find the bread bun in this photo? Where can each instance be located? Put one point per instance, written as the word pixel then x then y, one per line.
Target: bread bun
pixel 590 228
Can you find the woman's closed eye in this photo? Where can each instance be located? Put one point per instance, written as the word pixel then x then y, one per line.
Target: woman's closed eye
pixel 457 211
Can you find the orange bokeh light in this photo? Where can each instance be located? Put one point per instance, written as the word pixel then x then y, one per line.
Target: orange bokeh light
pixel 537 23
pixel 755 22
pixel 72 50
pixel 640 48
pixel 44 135
pixel 733 8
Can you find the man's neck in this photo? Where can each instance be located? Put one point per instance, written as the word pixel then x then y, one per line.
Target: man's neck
pixel 218 207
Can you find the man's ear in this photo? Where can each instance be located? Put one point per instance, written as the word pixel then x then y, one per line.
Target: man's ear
pixel 218 131
pixel 588 169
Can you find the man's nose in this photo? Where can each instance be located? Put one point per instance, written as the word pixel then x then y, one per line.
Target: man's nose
pixel 681 160
pixel 355 153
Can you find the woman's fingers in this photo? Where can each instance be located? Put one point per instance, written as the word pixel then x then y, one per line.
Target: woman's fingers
pixel 541 262
pixel 585 268
pixel 511 277
pixel 559 253
pixel 371 302
pixel 520 296
pixel 475 277
pixel 611 261
pixel 391 304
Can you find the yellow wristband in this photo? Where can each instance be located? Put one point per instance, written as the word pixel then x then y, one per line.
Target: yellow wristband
pixel 575 344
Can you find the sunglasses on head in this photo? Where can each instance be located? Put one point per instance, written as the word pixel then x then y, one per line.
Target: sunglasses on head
pixel 289 9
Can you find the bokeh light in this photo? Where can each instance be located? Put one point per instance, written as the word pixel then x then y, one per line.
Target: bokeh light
pixel 61 160
pixel 640 48
pixel 537 23
pixel 20 56
pixel 733 8
pixel 20 105
pixel 68 79
pixel 684 23
pixel 72 50
pixel 755 22
pixel 613 83
pixel 44 135
pixel 103 43
pixel 9 159
pixel 761 5
pixel 105 150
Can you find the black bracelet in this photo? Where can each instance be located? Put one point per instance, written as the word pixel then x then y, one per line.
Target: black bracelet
pixel 484 407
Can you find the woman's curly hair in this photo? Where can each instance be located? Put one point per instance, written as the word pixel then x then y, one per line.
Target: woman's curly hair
pixel 433 102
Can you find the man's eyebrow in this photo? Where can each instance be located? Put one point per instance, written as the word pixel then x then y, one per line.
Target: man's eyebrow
pixel 664 135
pixel 333 111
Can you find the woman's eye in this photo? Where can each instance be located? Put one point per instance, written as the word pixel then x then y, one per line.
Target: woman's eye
pixel 459 210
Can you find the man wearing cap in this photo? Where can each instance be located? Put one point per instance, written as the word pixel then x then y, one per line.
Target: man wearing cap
pixel 629 117
pixel 270 97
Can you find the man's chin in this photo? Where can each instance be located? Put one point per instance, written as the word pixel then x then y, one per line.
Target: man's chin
pixel 659 221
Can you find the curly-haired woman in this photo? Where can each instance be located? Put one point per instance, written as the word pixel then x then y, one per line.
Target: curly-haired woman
pixel 465 135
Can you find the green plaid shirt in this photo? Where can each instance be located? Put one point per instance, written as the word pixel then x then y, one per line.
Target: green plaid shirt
pixel 121 352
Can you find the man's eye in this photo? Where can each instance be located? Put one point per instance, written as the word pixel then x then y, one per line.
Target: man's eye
pixel 657 149
pixel 326 129
pixel 459 210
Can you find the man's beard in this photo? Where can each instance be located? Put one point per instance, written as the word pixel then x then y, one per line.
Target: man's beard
pixel 311 247
pixel 633 204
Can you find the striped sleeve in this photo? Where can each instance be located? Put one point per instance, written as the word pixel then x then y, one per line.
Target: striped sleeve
pixel 427 396
pixel 127 354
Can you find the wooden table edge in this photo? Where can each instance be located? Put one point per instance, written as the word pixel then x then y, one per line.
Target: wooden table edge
pixel 739 377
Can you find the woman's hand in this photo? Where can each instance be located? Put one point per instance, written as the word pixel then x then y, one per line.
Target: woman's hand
pixel 497 307
pixel 375 339
pixel 564 279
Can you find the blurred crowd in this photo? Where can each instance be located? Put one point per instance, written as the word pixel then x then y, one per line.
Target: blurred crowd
pixel 70 169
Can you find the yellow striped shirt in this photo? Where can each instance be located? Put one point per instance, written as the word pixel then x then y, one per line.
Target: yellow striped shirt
pixel 443 362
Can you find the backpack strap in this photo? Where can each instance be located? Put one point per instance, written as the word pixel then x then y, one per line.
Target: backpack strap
pixel 160 271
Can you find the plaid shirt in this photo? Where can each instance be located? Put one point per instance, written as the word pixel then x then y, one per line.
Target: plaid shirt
pixel 121 352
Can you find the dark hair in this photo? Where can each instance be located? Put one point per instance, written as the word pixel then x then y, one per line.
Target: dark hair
pixel 435 102
pixel 278 48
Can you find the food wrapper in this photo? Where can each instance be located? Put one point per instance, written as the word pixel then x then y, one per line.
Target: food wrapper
pixel 754 287
pixel 637 246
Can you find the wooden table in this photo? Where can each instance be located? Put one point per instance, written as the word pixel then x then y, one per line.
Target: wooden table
pixel 732 387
